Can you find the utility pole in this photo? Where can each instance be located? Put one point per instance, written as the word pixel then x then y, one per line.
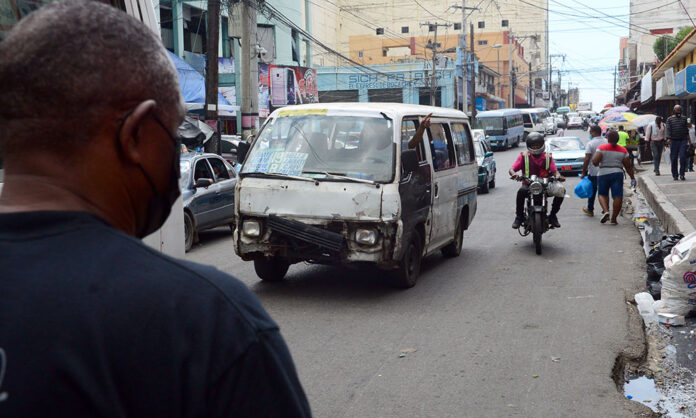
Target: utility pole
pixel 211 73
pixel 511 72
pixel 473 74
pixel 613 95
pixel 551 57
pixel 250 69
pixel 433 76
pixel 462 48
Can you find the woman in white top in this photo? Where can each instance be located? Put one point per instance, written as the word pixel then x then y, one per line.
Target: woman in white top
pixel 655 136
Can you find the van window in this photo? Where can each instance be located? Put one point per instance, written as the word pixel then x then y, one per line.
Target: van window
pixel 408 129
pixel 462 141
pixel 441 146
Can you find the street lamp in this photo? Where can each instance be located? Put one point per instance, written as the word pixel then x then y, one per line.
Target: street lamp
pixel 498 46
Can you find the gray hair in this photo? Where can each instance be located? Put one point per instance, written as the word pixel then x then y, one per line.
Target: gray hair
pixel 66 66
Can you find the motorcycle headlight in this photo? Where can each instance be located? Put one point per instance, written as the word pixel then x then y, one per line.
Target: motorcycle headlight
pixel 366 236
pixel 536 188
pixel 251 228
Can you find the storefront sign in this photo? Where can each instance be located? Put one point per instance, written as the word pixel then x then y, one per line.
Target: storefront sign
pixel 680 84
pixel 393 80
pixel 690 76
pixel 646 92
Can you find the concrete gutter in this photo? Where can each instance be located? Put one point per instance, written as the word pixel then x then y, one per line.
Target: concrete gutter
pixel 673 221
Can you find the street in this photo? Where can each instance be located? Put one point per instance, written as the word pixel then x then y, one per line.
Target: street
pixel 498 331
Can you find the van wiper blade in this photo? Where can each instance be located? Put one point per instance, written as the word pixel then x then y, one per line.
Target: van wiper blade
pixel 338 176
pixel 278 176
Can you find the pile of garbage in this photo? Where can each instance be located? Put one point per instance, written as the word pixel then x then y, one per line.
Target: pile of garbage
pixel 655 262
pixel 674 259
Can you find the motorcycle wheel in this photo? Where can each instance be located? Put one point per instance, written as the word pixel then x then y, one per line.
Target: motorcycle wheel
pixel 537 231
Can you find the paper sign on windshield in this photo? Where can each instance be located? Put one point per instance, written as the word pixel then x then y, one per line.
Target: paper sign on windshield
pixel 278 162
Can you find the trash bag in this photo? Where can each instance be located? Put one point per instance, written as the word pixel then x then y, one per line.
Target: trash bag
pixel 584 188
pixel 655 259
pixel 655 289
pixel 679 278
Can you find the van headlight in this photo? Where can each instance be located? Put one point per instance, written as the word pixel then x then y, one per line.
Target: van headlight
pixel 366 236
pixel 251 228
pixel 536 188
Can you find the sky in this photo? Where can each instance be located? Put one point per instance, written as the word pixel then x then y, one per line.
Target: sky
pixel 591 45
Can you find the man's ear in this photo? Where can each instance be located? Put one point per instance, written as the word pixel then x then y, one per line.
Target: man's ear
pixel 131 131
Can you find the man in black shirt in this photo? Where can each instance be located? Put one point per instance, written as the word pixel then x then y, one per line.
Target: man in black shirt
pixel 677 133
pixel 93 322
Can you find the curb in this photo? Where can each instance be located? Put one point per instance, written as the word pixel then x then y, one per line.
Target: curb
pixel 673 221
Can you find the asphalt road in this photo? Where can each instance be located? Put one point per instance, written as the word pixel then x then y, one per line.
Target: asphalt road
pixel 498 331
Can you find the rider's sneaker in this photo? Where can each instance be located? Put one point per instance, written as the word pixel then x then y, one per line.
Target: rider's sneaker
pixel 587 212
pixel 517 223
pixel 553 220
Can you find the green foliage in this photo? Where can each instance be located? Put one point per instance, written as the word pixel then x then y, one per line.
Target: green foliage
pixel 663 46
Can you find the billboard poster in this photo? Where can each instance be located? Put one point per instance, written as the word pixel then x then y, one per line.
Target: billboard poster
pixel 293 85
pixel 264 90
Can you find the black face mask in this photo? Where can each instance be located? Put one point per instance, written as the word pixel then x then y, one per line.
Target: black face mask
pixel 160 205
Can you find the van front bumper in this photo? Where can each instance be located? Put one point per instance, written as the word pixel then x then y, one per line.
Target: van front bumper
pixel 327 242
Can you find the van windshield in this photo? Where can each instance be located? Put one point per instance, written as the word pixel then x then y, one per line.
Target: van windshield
pixel 491 125
pixel 320 146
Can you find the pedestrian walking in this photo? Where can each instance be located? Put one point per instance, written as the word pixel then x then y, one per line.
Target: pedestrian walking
pixel 677 133
pixel 560 129
pixel 623 137
pixel 589 169
pixel 655 136
pixel 94 322
pixel 612 159
pixel 691 148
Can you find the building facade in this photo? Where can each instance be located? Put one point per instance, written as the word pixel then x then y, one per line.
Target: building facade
pixel 379 33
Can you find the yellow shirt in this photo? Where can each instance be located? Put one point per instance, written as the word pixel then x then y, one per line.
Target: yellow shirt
pixel 623 138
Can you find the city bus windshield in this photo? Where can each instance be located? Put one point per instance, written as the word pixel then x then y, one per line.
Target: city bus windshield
pixel 321 147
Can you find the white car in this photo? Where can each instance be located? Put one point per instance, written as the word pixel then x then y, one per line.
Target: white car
pixel 575 122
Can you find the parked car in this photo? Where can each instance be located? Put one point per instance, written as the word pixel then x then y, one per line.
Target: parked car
pixel 312 190
pixel 568 153
pixel 486 164
pixel 207 186
pixel 575 122
pixel 480 135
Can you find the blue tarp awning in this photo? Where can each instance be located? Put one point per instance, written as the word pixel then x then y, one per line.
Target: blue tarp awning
pixel 192 83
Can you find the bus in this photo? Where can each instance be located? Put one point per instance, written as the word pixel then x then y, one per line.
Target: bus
pixel 504 128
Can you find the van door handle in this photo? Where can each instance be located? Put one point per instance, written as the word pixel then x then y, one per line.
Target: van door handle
pixel 436 190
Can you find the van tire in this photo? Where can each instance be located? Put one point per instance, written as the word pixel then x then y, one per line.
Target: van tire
pixel 517 144
pixel 407 273
pixel 271 269
pixel 454 248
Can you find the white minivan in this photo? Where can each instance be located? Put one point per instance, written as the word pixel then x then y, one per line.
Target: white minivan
pixel 336 183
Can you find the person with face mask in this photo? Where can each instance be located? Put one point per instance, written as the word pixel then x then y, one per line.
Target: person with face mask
pixel 677 133
pixel 95 323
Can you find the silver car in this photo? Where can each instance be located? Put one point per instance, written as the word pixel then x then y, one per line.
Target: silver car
pixel 207 186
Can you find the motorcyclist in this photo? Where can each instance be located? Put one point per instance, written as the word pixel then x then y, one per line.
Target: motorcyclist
pixel 535 161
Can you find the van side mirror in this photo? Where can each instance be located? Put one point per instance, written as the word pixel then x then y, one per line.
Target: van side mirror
pixel 242 150
pixel 409 160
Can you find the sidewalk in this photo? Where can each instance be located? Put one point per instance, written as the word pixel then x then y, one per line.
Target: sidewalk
pixel 674 202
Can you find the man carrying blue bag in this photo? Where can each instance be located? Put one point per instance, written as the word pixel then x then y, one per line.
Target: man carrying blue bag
pixel 589 170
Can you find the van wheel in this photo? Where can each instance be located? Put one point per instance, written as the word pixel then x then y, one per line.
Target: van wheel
pixel 410 264
pixel 271 269
pixel 189 231
pixel 517 144
pixel 454 248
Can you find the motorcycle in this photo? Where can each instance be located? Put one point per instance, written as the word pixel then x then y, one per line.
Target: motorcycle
pixel 536 207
